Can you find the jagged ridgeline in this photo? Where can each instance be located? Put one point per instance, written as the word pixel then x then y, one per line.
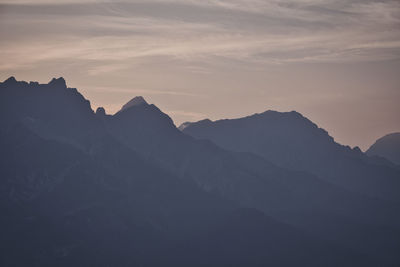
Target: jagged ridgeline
pixel 85 188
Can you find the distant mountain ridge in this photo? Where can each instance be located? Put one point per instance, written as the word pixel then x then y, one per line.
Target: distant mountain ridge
pixel 131 189
pixel 290 140
pixel 387 147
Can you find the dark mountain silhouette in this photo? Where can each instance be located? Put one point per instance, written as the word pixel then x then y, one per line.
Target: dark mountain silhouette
pixel 290 140
pixel 80 197
pixel 85 188
pixel 387 147
pixel 298 198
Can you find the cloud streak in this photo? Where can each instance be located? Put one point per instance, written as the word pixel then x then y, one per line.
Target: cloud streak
pixel 254 31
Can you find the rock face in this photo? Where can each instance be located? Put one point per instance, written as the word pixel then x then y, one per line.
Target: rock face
pixel 387 147
pixel 130 189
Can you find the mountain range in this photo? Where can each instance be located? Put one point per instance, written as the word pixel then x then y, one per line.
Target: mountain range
pixel 80 187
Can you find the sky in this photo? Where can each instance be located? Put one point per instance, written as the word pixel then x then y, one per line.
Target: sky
pixel 337 62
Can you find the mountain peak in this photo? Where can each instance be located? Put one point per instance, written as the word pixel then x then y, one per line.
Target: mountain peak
pixel 136 101
pixel 58 82
pixel 10 80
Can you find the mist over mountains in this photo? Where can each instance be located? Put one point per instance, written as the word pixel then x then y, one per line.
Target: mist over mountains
pixel 80 187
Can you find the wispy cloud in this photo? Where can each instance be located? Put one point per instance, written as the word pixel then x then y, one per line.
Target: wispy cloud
pixel 255 31
pixel 134 91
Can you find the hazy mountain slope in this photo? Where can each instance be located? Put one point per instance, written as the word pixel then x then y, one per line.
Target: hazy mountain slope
pixel 387 147
pixel 63 207
pixel 290 140
pixel 297 198
pixel 241 227
pixel 132 189
pixel 73 195
pixel 245 178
